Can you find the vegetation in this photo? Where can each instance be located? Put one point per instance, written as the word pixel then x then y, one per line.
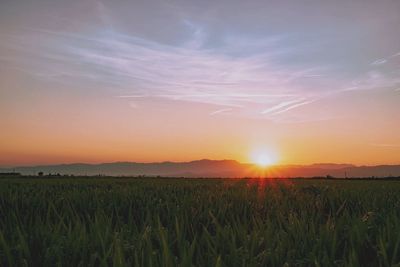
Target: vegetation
pixel 198 222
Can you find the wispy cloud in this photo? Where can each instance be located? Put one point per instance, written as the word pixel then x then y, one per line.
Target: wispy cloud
pixel 386 145
pixel 294 106
pixel 281 106
pixel 396 55
pixel 379 62
pixel 224 110
pixel 373 79
pixel 256 83
pixel 185 73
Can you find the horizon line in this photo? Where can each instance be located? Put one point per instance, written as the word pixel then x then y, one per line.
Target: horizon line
pixel 190 161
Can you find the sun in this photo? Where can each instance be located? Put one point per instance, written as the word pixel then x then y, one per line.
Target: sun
pixel 263 158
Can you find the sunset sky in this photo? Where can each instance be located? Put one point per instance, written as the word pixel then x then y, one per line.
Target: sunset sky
pixel 151 80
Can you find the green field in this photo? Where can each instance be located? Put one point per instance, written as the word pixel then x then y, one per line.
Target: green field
pixel 199 222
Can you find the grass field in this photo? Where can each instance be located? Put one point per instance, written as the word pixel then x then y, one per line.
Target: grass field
pixel 199 222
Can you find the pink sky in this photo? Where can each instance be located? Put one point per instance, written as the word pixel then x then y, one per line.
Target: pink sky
pixel 100 81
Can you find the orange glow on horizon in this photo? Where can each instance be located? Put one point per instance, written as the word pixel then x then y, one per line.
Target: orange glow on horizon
pixel 36 138
pixel 92 83
pixel 263 157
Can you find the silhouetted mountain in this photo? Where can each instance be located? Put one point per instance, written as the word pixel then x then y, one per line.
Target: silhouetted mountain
pixel 330 166
pixel 211 168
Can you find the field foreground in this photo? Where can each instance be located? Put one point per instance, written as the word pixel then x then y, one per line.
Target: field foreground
pixel 199 222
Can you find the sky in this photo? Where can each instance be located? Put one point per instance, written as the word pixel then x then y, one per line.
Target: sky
pixel 298 81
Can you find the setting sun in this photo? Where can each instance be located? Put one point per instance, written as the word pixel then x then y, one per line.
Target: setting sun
pixel 263 158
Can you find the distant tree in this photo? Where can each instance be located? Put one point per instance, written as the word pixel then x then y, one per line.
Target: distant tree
pixel 40 173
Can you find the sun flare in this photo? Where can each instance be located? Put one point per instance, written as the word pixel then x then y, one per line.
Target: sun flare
pixel 263 158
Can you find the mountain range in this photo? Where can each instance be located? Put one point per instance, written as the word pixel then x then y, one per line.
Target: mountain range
pixel 210 168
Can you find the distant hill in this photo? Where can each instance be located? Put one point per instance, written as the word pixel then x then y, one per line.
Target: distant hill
pixel 206 168
pixel 330 166
pixel 210 168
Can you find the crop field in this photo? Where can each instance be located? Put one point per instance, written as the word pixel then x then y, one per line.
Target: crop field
pixel 198 222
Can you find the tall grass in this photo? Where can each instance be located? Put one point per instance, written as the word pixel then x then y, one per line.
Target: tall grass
pixel 195 222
